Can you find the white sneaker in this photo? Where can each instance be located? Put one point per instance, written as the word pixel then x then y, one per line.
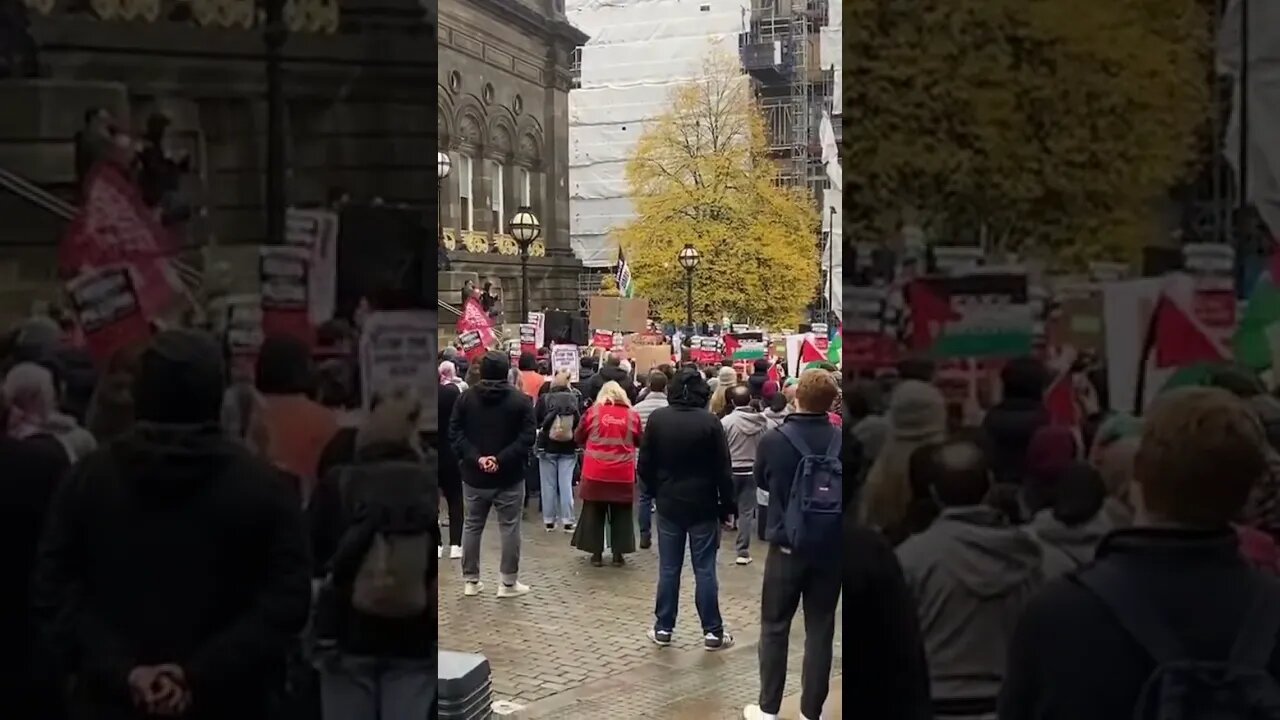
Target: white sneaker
pixel 472 588
pixel 753 712
pixel 512 591
pixel 455 552
pixel 740 560
pixel 439 551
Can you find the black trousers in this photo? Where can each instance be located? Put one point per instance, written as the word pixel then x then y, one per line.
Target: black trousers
pixel 788 582
pixel 451 489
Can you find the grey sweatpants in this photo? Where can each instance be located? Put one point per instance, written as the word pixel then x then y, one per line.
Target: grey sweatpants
pixel 365 688
pixel 508 503
pixel 744 487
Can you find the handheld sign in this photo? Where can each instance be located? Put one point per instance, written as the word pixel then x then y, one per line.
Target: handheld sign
pixel 107 307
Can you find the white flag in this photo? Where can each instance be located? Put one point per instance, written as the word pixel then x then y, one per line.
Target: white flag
pixel 830 154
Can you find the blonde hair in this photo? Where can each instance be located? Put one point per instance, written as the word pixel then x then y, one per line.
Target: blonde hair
pixel 613 394
pixel 887 495
pixel 561 378
pixel 393 418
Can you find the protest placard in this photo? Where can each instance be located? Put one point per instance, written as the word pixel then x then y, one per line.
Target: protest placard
pixel 398 349
pixel 106 304
pixel 566 357
pixel 284 274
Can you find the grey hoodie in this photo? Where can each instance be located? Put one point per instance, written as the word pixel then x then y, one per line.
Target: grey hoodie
pixel 1067 548
pixel 971 574
pixel 744 428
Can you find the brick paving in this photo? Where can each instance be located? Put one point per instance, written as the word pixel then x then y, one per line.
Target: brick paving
pixel 575 647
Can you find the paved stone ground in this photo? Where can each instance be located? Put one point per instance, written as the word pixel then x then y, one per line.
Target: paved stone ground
pixel 575 647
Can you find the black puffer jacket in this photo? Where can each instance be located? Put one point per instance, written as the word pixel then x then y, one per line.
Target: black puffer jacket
pixel 492 418
pixel 684 456
pixel 591 387
pixel 1007 430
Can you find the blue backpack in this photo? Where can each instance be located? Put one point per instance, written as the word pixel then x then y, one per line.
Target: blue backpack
pixel 813 521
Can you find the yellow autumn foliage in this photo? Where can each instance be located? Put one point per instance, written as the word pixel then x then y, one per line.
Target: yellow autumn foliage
pixel 1051 126
pixel 701 174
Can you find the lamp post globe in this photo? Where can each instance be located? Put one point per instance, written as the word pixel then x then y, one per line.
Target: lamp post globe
pixel 525 228
pixel 443 165
pixel 689 259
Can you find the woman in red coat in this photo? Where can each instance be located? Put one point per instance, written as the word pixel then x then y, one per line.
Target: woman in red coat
pixel 610 436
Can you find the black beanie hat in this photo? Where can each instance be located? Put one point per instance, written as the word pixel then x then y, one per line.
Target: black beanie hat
pixel 495 366
pixel 180 379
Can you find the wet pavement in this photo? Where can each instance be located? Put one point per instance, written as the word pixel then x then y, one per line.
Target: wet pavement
pixel 575 647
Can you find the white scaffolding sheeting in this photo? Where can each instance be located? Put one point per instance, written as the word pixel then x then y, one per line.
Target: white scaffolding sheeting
pixel 833 248
pixel 639 51
pixel 1262 146
pixel 831 47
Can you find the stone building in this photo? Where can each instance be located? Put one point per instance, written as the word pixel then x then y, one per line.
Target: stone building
pixel 504 78
pixel 357 103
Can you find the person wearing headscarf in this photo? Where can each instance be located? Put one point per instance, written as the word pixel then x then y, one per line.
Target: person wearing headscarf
pixel 449 376
pixel 33 411
pixel 917 417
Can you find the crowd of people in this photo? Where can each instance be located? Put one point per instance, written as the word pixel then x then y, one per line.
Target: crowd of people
pixel 186 543
pixel 1022 569
pixel 677 456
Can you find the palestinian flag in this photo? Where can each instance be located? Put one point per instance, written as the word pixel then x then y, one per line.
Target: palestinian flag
pixel 1250 344
pixel 835 350
pixel 971 316
pixel 1175 338
pixel 810 355
pixel 745 346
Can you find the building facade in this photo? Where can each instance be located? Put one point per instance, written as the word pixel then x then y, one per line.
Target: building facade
pixel 502 115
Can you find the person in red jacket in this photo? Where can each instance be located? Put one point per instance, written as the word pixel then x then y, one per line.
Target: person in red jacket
pixel 610 435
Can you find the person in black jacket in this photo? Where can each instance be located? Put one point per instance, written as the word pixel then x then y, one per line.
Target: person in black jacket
pixel 33 467
pixel 450 473
pixel 757 379
pixel 173 574
pixel 359 649
pixel 790 576
pixel 611 371
pixel 1010 424
pixel 492 431
pixel 557 458
pixel 1178 574
pixel 684 463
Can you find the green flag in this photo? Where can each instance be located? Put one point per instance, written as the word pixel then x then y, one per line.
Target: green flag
pixel 1262 311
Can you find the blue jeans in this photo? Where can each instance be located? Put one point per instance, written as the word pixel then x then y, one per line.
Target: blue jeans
pixel 557 487
pixel 644 509
pixel 704 540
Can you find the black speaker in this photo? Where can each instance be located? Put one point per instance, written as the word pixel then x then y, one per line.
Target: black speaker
pixel 557 329
pixel 578 331
pixel 382 257
pixel 1158 260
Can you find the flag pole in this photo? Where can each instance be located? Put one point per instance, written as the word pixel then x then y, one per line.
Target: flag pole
pixel 1148 343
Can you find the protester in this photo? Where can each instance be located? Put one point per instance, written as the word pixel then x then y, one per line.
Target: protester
pixel 33 468
pixel 377 648
pixel 173 574
pixel 110 413
pixel 656 398
pixel 799 574
pixel 1010 424
pixel 492 431
pixel 449 375
pixel 611 372
pixel 95 141
pixel 726 378
pixel 758 377
pixel 1071 524
pixel 684 463
pixel 1052 450
pixel 299 428
pixel 917 416
pixel 744 429
pixel 1174 589
pixel 558 416
pixel 450 472
pixel 1114 449
pixel 608 434
pixel 777 409
pixel 918 368
pixel 32 398
pixel 971 574
pixel 531 380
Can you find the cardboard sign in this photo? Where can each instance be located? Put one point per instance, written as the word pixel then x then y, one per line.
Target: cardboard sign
pixel 528 338
pixel 108 310
pixel 316 231
pixel 284 273
pixel 602 339
pixel 471 344
pixel 566 357
pixel 539 321
pixel 646 358
pixel 624 314
pixel 397 349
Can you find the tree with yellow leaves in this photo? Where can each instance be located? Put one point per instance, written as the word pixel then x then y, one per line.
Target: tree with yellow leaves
pixel 701 174
pixel 1047 126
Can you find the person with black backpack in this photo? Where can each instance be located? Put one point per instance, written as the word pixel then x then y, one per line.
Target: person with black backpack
pixel 558 412
pixel 800 464
pixel 1169 621
pixel 374 524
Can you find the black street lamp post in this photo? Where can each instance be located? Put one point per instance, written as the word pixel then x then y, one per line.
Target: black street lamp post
pixel 689 259
pixel 443 165
pixel 525 228
pixel 274 36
